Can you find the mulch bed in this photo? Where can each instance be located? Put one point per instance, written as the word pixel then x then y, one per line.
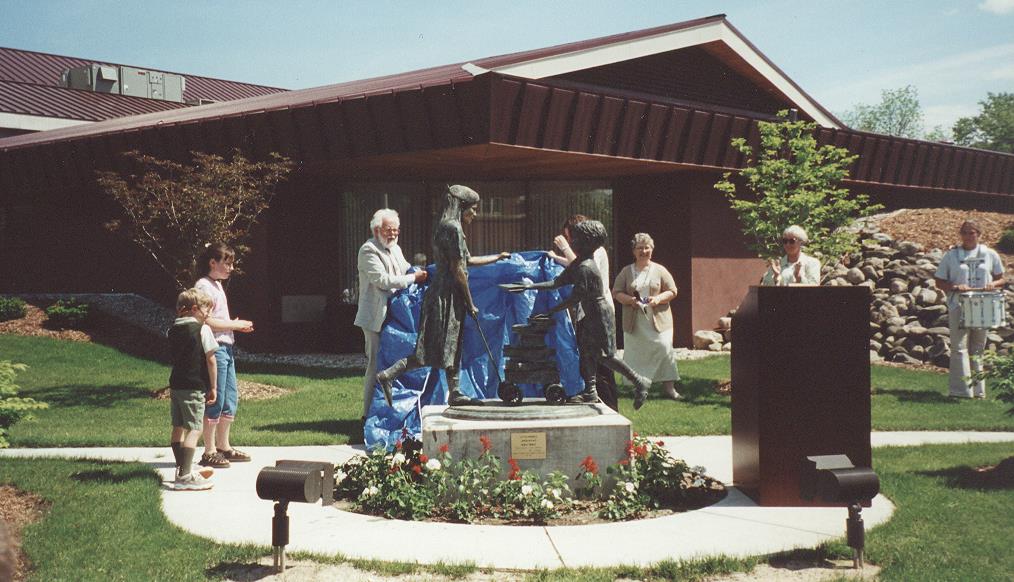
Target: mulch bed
pixel 18 509
pixel 247 391
pixel 937 228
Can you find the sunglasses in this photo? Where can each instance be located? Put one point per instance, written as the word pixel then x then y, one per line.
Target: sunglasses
pixel 789 241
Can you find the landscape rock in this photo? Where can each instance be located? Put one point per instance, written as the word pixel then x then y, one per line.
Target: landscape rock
pixel 703 339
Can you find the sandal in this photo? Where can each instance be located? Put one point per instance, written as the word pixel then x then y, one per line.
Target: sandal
pixel 215 460
pixel 235 456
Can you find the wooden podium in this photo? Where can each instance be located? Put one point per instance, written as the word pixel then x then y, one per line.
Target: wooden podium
pixel 800 385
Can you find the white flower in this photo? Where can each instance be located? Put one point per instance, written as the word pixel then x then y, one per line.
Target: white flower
pixel 370 491
pixel 555 492
pixel 526 489
pixel 461 488
pixel 397 459
pixel 339 476
pixel 629 487
pixel 475 482
pixel 547 504
pixel 433 465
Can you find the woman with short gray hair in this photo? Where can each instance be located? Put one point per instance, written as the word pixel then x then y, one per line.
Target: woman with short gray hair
pixel 794 267
pixel 645 289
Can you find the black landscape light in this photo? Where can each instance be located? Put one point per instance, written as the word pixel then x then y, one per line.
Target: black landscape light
pixel 834 479
pixel 295 481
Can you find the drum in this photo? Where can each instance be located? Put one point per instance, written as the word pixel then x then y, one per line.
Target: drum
pixel 982 309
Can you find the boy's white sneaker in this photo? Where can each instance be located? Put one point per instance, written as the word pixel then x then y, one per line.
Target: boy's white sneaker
pixel 192 482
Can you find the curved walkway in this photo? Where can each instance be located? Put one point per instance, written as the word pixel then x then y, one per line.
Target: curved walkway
pixel 232 513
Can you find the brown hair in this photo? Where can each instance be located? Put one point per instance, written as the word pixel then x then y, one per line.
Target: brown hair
pixel 218 251
pixel 571 221
pixel 971 224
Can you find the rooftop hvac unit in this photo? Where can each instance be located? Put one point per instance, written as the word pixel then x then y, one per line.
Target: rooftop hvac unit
pixel 151 84
pixel 126 81
pixel 94 77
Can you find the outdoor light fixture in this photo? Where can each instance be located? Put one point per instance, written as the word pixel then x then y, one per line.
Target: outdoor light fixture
pixel 834 479
pixel 296 481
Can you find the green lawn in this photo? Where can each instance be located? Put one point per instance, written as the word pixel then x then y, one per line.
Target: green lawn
pixel 101 397
pixel 105 523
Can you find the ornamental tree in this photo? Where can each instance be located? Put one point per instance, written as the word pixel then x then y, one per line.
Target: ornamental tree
pixel 789 180
pixel 173 210
pixel 13 407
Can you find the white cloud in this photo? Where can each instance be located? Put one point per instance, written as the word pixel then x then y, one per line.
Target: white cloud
pixel 1003 72
pixel 997 6
pixel 937 80
pixel 945 115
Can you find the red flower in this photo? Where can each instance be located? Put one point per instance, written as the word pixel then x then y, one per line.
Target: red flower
pixel 635 435
pixel 641 450
pixel 417 469
pixel 660 443
pixel 397 445
pixel 515 473
pixel 423 458
pixel 486 444
pixel 395 469
pixel 624 461
pixel 590 466
pixel 444 448
pixel 630 448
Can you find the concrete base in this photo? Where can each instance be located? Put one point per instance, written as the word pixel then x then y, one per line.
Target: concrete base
pixel 536 438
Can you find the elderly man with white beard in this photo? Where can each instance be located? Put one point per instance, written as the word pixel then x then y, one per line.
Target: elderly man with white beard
pixel 382 271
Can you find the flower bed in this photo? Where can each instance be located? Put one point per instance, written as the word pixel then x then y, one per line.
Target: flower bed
pixel 407 484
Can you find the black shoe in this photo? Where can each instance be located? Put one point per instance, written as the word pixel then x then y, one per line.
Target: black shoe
pixel 641 385
pixel 456 398
pixel 586 397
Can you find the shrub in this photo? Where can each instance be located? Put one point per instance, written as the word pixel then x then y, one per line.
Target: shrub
pixel 13 408
pixel 12 308
pixel 1006 243
pixel 999 370
pixel 66 314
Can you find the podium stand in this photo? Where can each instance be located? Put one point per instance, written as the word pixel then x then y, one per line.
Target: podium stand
pixel 800 385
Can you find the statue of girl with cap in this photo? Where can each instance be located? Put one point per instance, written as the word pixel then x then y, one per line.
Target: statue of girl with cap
pixel 447 300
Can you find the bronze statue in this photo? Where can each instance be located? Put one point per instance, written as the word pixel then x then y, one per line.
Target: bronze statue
pixel 597 329
pixel 447 300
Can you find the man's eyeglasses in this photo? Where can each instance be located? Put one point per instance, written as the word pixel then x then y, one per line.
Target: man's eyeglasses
pixel 390 230
pixel 789 241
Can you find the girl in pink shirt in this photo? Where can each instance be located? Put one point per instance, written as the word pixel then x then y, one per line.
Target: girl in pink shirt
pixel 217 262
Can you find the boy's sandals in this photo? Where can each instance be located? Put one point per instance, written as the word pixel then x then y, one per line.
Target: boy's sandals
pixel 235 456
pixel 216 460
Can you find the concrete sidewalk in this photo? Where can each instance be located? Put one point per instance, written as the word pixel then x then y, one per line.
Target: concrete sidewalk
pixel 231 512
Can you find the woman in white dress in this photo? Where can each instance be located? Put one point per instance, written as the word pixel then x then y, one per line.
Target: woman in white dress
pixel 645 289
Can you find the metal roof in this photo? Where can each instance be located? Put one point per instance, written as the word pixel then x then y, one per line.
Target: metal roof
pixel 454 109
pixel 64 103
pixel 45 69
pixel 27 75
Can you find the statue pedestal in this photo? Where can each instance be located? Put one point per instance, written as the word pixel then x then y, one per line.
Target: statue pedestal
pixel 540 437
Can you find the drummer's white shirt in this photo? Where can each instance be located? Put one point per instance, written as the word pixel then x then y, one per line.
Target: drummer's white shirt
pixel 953 267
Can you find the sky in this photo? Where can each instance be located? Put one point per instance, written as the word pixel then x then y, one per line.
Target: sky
pixel 841 52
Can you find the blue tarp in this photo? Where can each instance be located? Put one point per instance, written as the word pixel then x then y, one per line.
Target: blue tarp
pixel 498 311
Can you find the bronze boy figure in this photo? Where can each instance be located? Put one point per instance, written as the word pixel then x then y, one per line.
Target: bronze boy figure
pixel 596 334
pixel 447 300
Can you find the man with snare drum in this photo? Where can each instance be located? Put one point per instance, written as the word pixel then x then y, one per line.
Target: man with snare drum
pixel 968 267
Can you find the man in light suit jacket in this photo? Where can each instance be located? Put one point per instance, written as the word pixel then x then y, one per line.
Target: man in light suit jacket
pixel 382 268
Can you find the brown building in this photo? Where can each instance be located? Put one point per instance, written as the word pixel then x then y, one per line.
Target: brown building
pixel 633 129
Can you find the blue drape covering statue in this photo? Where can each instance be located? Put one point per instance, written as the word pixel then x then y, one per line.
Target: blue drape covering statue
pixel 497 311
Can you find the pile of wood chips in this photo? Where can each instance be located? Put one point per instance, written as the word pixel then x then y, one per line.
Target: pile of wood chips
pixel 938 228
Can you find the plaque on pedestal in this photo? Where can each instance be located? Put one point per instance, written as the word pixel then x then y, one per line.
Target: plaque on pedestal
pixel 800 385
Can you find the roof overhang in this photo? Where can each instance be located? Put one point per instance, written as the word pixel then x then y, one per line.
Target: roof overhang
pixel 716 35
pixel 35 122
